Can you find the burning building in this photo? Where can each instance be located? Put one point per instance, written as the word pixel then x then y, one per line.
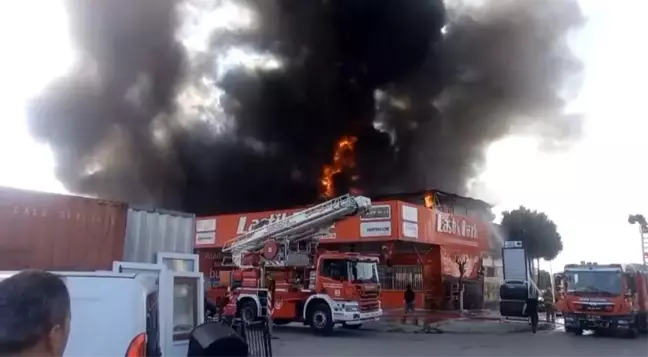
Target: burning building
pixel 217 107
pixel 428 246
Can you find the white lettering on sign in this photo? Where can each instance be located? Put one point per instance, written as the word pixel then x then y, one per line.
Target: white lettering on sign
pixel 375 229
pixel 447 223
pixel 205 238
pixel 245 226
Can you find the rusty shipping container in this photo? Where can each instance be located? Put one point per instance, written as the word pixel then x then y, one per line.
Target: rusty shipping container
pixel 59 232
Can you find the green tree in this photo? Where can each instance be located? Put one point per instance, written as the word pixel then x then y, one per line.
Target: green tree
pixel 538 233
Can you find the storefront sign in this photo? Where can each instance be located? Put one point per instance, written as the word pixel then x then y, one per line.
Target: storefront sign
pixel 410 230
pixel 410 213
pixel 378 212
pixel 205 231
pixel 381 219
pixel 205 238
pixel 206 225
pixel 375 229
pixel 245 226
pixel 450 224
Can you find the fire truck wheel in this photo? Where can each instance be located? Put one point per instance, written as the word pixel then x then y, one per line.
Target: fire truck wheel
pixel 321 320
pixel 575 331
pixel 632 332
pixel 248 311
pixel 352 327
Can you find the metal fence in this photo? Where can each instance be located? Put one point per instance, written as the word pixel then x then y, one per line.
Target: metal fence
pixel 256 334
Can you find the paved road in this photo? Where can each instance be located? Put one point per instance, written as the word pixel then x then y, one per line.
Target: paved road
pixel 297 341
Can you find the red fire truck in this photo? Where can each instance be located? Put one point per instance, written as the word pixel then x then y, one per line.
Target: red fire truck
pixel 609 297
pixel 278 270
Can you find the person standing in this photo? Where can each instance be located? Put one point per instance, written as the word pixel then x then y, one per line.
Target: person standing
pixel 532 309
pixel 550 307
pixel 410 297
pixel 271 286
pixel 34 315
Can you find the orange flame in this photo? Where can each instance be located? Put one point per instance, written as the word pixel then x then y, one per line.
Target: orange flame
pixel 429 200
pixel 343 158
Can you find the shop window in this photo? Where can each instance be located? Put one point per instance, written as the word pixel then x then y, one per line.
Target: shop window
pixel 398 276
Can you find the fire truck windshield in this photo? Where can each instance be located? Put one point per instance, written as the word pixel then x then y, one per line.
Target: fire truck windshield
pixel 593 281
pixel 362 272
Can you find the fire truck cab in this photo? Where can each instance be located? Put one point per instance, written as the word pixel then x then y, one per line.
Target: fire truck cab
pixel 280 272
pixel 343 288
pixel 608 297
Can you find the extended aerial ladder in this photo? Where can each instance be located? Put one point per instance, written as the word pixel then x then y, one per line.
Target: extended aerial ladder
pixel 288 241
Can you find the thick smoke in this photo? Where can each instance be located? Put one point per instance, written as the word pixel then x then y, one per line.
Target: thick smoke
pixel 176 103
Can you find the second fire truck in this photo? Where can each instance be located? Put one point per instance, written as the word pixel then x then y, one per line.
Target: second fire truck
pixel 609 297
pixel 279 270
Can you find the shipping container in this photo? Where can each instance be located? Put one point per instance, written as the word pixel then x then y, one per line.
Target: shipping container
pixel 152 230
pixel 59 232
pixel 62 232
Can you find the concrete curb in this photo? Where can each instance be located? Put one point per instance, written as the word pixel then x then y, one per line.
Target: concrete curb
pixel 527 329
pixel 413 329
pixel 438 329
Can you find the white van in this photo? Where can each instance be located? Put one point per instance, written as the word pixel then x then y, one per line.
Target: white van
pixel 136 310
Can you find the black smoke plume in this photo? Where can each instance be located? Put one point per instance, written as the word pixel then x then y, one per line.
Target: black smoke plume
pixel 160 109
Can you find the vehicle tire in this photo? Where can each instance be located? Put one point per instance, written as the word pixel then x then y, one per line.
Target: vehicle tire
pixel 518 292
pixel 248 311
pixel 578 331
pixel 352 327
pixel 320 319
pixel 280 322
pixel 227 321
pixel 632 333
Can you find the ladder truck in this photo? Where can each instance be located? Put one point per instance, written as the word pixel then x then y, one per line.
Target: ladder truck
pixel 278 271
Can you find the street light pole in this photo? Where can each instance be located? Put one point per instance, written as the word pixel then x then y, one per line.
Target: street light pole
pixel 640 220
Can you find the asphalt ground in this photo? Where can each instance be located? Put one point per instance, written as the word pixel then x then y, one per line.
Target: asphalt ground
pixel 299 341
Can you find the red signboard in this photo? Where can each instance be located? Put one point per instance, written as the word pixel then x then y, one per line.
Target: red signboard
pixel 386 221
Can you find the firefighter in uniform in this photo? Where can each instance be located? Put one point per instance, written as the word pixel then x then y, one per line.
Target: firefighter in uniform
pixel 550 307
pixel 270 285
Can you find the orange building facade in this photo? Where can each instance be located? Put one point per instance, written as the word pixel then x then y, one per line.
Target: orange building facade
pixel 426 245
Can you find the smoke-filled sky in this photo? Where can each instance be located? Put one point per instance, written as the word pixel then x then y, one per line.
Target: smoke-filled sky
pixel 212 107
pixel 159 111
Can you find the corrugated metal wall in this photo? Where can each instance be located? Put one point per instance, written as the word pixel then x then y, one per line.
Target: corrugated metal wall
pixel 150 230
